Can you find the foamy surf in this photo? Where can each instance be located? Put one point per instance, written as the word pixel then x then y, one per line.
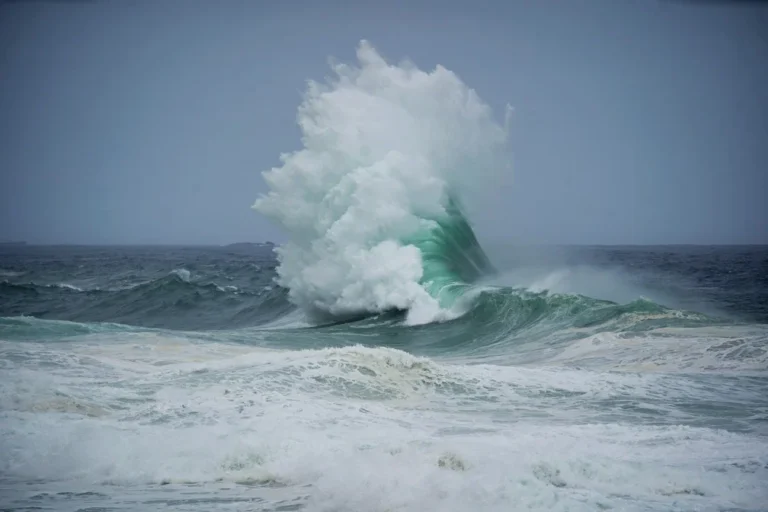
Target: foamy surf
pixel 365 428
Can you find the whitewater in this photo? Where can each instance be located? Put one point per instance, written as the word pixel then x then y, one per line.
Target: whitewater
pixel 369 202
pixel 383 359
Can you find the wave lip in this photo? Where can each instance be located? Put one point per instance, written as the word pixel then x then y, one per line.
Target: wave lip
pixel 370 202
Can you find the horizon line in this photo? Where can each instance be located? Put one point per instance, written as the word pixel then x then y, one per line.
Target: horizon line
pixel 275 244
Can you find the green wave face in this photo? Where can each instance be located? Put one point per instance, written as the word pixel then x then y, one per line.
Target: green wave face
pixel 504 321
pixel 452 257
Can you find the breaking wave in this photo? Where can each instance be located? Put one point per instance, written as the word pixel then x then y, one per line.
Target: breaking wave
pixel 372 202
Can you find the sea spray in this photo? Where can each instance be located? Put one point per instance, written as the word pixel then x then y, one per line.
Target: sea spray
pixel 371 201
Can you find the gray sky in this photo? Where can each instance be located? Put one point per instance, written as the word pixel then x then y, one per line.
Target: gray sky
pixel 635 122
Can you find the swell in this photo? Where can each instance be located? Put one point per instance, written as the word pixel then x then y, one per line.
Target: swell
pixel 495 317
pixel 20 328
pixel 173 301
pixel 512 319
pixel 501 326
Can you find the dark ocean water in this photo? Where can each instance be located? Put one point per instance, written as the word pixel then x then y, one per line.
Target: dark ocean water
pixel 577 378
pixel 195 288
pixel 167 287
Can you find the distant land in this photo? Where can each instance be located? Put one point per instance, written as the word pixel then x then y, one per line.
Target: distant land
pixel 245 246
pixel 12 242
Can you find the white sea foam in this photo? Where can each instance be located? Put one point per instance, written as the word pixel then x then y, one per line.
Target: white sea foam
pixel 182 273
pixel 703 349
pixel 363 429
pixel 67 286
pixel 383 145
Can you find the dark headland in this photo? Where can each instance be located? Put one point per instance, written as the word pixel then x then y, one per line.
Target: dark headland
pixel 249 246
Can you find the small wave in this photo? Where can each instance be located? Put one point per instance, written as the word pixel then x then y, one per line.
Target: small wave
pixel 33 286
pixel 690 350
pixel 66 287
pixel 175 300
pixel 183 274
pixel 9 286
pixel 31 328
pixel 507 326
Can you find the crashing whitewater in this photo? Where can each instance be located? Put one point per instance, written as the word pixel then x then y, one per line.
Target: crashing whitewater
pixel 370 202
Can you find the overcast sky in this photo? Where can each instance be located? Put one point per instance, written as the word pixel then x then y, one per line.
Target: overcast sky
pixel 635 122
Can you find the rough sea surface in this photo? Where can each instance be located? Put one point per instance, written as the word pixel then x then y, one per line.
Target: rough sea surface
pixel 576 378
pixel 383 359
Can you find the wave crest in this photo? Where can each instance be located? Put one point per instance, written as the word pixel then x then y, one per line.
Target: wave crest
pixel 371 198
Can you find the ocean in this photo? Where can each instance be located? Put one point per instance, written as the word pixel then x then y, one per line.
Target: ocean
pixel 397 353
pixel 183 378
